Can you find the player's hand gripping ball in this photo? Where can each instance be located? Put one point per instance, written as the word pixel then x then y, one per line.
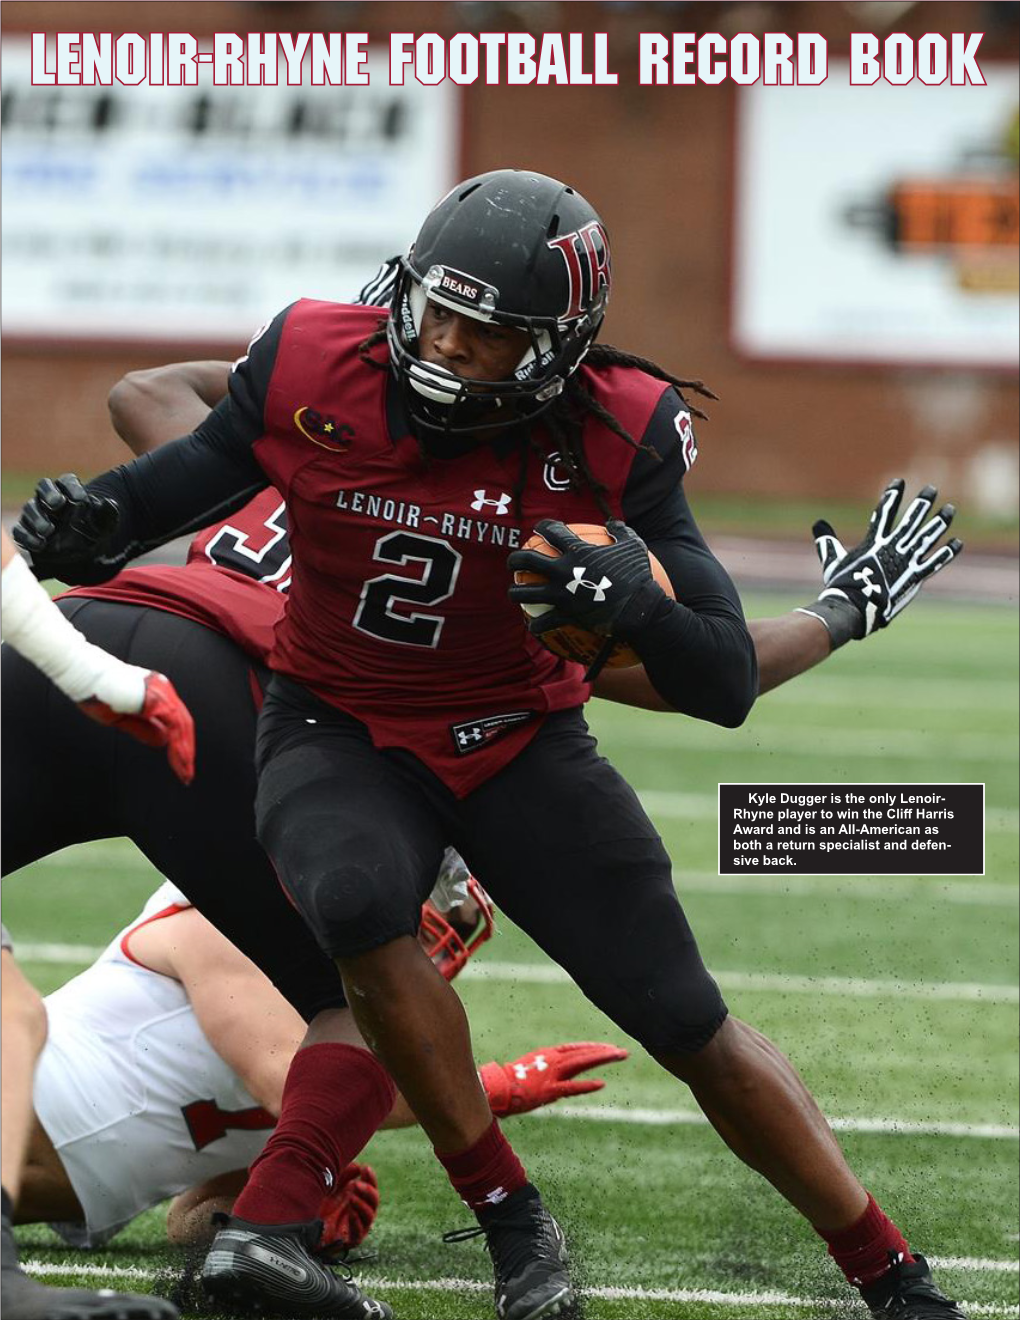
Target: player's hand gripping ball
pixel 571 640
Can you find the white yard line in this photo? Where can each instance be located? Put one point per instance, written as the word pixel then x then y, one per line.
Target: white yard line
pixel 56 953
pixel 370 1282
pixel 704 806
pixel 918 693
pixel 550 974
pixel 867 888
pixel 567 1112
pixel 976 892
pixel 841 744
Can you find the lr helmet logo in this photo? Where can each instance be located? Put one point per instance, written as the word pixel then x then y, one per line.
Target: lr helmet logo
pixel 598 588
pixel 586 253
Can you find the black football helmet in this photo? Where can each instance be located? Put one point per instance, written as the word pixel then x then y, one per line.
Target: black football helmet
pixel 512 247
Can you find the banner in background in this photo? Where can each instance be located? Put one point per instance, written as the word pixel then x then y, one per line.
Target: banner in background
pixel 195 213
pixel 878 224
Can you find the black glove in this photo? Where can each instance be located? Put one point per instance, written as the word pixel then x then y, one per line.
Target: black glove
pixel 604 588
pixel 65 529
pixel 866 587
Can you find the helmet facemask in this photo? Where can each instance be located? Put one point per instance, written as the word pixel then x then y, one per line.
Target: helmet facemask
pixel 519 249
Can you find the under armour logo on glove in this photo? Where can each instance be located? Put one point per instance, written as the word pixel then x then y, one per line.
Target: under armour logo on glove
pixel 525 1065
pixel 599 588
pixel 619 593
pixel 542 1076
pixel 866 587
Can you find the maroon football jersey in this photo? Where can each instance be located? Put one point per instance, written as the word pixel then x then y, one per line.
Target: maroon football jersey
pixel 235 579
pixel 398 610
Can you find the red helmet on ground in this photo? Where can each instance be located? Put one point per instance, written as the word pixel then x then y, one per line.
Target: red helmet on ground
pixel 451 938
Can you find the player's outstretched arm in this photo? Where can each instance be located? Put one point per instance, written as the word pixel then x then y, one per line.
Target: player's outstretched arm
pixel 242 1015
pixel 152 407
pixel 863 590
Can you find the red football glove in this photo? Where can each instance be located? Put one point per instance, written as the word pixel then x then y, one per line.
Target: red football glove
pixel 349 1210
pixel 163 721
pixel 543 1076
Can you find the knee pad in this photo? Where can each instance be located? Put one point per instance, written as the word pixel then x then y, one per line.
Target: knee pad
pixel 679 1011
pixel 652 982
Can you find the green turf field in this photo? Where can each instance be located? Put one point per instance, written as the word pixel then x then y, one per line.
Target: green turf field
pixel 896 997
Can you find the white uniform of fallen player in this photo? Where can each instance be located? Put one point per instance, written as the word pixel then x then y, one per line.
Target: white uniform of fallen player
pixel 137 1103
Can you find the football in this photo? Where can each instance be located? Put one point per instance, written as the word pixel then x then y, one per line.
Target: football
pixel 570 641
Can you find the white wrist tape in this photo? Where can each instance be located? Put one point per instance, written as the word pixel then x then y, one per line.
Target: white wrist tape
pixel 37 630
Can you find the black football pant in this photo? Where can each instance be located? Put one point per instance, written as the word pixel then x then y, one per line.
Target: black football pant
pixel 557 837
pixel 69 780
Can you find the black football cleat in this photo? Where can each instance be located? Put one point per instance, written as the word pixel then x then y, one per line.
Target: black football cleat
pixel 24 1298
pixel 908 1292
pixel 260 1269
pixel 529 1258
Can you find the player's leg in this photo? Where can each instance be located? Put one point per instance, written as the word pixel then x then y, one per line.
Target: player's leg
pixel 357 841
pixel 47 1192
pixel 202 838
pixel 357 845
pixel 56 765
pixel 22 1038
pixel 590 881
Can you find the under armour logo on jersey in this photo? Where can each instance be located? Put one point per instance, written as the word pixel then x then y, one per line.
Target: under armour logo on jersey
pixel 327 1178
pixel 465 737
pixel 865 576
pixel 599 588
pixel 482 501
pixel 521 1069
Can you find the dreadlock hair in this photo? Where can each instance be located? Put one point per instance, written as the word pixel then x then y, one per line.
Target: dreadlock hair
pixel 564 418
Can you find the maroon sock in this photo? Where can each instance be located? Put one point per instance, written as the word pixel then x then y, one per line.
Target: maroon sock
pixel 335 1098
pixel 485 1174
pixel 863 1250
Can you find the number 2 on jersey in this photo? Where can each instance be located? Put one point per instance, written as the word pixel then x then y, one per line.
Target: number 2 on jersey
pixel 376 614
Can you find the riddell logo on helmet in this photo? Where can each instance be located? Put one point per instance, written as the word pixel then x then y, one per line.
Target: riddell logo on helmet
pixel 586 252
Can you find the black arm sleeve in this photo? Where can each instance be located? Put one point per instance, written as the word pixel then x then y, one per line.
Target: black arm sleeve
pixel 196 480
pixel 179 488
pixel 696 650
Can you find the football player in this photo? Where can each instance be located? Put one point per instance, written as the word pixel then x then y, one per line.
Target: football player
pixel 144 704
pixel 164 1070
pixel 409 707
